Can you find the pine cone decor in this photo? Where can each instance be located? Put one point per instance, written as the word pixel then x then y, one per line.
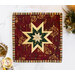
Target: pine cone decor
pixel 70 21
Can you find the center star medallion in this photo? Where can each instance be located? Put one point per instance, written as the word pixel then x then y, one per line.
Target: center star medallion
pixel 37 37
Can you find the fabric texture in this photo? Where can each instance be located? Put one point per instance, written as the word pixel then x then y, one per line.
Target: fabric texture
pixel 37 37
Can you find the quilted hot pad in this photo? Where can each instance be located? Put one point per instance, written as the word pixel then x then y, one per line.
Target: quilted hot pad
pixel 37 37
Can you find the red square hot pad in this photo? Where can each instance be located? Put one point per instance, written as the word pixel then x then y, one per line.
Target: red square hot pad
pixel 37 37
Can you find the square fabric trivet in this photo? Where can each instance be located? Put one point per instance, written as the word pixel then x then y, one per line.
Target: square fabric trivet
pixel 37 37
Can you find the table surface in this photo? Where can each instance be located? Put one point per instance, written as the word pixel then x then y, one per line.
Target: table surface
pixel 68 52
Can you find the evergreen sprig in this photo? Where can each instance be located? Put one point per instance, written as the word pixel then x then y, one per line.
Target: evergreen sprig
pixel 70 21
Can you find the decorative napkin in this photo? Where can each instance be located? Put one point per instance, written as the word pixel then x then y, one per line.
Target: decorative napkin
pixel 37 37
